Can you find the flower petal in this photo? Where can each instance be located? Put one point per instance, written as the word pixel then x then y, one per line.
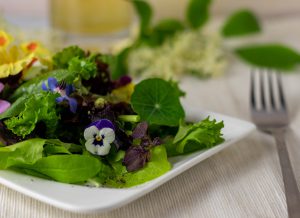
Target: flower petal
pixel 1 86
pixel 109 135
pixel 90 146
pixel 103 123
pixel 52 83
pixel 4 105
pixel 60 99
pixel 44 87
pixel 90 132
pixel 73 104
pixel 104 149
pixel 69 89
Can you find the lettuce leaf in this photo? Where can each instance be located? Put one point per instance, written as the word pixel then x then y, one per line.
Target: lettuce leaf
pixel 68 168
pixel 157 166
pixel 193 137
pixel 26 152
pixel 38 108
pixel 62 58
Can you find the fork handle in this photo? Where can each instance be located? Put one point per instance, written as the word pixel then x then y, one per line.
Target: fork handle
pixel 290 184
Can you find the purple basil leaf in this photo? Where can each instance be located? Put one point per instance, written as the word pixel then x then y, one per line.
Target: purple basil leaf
pixel 156 141
pixel 122 140
pixel 123 81
pixel 140 130
pixel 136 158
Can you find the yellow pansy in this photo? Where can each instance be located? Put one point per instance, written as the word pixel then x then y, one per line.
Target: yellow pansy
pixel 5 39
pixel 39 52
pixel 13 61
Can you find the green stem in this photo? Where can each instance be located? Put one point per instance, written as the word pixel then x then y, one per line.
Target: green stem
pixel 130 118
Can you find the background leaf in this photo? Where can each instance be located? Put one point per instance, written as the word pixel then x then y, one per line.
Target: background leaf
pixel 197 13
pixel 270 55
pixel 241 23
pixel 164 30
pixel 144 12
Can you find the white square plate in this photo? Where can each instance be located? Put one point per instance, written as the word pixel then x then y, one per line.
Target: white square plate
pixel 87 200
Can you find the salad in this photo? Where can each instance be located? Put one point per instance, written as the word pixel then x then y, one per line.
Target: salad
pixel 63 118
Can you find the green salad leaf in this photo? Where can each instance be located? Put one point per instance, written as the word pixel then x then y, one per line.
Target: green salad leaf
pixel 68 168
pixel 240 23
pixel 16 108
pixel 193 137
pixel 157 102
pixel 197 13
pixel 144 12
pixel 25 152
pixel 157 166
pixel 270 55
pixel 35 85
pixel 62 58
pixel 40 107
pixel 85 67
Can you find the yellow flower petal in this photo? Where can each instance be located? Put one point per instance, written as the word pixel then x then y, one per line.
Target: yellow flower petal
pixel 5 39
pixel 122 94
pixel 13 61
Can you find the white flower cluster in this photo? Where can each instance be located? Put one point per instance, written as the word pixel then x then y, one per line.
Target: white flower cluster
pixel 189 52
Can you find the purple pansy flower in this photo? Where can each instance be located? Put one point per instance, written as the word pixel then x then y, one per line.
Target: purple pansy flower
pixel 4 105
pixel 64 90
pixel 99 135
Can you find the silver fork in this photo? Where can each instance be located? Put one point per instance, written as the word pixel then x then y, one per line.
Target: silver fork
pixel 269 113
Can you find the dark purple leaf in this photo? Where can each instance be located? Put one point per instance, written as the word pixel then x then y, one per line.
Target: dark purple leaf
pixel 156 141
pixel 122 140
pixel 123 81
pixel 140 130
pixel 136 158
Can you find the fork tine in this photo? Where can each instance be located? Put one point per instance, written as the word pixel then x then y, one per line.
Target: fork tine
pixel 271 90
pixel 262 90
pixel 280 92
pixel 252 91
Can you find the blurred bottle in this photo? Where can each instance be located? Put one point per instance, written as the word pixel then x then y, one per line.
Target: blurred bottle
pixel 89 22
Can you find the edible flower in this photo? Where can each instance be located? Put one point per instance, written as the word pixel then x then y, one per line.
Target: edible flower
pixel 4 105
pixel 64 90
pixel 99 135
pixel 37 49
pixel 5 39
pixel 13 61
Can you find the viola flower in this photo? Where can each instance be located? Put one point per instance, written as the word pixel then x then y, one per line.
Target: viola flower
pixel 64 90
pixel 99 136
pixel 4 105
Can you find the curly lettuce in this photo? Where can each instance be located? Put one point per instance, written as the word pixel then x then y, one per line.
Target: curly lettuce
pixel 38 108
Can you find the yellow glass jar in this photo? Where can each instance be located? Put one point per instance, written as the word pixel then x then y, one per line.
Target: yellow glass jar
pixel 90 17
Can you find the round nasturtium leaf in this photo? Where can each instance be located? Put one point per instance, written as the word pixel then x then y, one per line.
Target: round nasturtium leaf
pixel 157 102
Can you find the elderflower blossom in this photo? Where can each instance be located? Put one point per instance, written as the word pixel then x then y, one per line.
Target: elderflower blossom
pixel 189 52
